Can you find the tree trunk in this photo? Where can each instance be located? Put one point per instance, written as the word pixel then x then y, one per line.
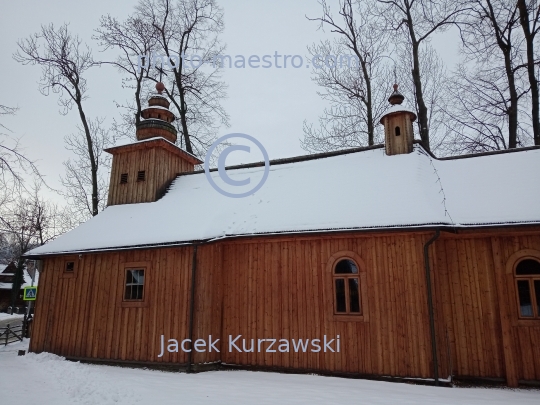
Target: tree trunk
pixel 423 122
pixel 512 109
pixel 369 105
pixel 93 165
pixel 505 45
pixel 138 99
pixel 18 280
pixel 182 109
pixel 529 40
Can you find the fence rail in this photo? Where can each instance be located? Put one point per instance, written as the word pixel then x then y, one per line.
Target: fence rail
pixel 11 334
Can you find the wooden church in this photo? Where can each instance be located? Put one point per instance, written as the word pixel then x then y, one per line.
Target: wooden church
pixel 377 262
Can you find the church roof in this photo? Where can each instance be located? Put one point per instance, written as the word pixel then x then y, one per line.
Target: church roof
pixel 351 190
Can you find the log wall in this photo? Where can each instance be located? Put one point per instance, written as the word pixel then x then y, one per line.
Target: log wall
pixel 160 165
pixel 82 316
pixel 265 288
pixel 283 289
pixel 478 306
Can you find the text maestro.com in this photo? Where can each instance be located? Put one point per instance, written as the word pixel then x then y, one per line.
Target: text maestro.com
pixel 243 345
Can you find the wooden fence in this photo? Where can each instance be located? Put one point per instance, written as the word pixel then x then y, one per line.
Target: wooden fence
pixel 11 334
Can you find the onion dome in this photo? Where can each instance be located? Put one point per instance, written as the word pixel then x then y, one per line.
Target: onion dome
pixel 157 118
pixel 395 99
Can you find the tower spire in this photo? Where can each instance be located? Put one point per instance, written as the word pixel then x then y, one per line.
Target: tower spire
pixel 157 118
pixel 397 121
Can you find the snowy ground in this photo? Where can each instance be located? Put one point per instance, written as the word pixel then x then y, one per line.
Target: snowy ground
pixel 48 379
pixel 4 316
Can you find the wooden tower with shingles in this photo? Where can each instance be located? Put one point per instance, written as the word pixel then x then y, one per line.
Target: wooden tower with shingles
pixel 142 171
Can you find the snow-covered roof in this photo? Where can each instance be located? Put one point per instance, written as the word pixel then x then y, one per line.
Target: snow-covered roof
pixel 397 108
pixel 27 281
pixel 120 145
pixel 361 190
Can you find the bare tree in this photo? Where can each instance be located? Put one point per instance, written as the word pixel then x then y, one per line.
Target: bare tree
pixel 134 39
pixel 416 21
pixel 78 180
pixel 478 111
pixel 184 29
pixel 352 71
pixel 435 87
pixel 64 60
pixel 529 17
pixel 27 221
pixel 13 162
pixel 488 88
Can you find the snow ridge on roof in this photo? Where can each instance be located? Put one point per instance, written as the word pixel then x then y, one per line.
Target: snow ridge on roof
pixel 361 190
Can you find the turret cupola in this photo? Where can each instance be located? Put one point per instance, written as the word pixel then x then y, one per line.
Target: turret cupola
pixel 157 118
pixel 398 129
pixel 141 171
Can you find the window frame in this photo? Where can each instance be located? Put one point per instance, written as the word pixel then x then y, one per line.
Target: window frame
pixel 65 261
pixel 332 314
pixel 124 267
pixel 346 277
pixel 513 278
pixel 127 270
pixel 530 278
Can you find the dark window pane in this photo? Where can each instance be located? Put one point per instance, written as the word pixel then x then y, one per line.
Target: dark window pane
pixel 524 298
pixel 134 284
pixel 537 292
pixel 346 266
pixel 138 292
pixel 70 266
pixel 398 131
pixel 528 267
pixel 353 295
pixel 340 295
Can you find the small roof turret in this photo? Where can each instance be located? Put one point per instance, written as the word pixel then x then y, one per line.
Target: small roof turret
pixel 157 118
pixel 396 97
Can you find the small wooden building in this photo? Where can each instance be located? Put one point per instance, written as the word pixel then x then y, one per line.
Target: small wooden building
pixel 7 275
pixel 378 262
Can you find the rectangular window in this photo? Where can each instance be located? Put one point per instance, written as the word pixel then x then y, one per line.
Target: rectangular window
pixel 70 269
pixel 141 175
pixel 123 178
pixel 134 287
pixel 525 303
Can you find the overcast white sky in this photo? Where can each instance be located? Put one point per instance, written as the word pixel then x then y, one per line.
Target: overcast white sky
pixel 269 104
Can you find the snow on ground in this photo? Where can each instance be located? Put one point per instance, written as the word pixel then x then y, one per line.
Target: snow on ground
pixel 48 379
pixel 8 317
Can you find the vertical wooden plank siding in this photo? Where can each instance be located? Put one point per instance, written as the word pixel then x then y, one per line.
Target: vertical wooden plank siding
pixel 160 165
pixel 82 316
pixel 293 291
pixel 281 288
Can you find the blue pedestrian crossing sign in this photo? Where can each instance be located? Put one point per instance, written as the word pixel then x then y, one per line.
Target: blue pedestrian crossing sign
pixel 30 293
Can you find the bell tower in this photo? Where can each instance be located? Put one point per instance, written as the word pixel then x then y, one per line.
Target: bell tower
pixel 398 129
pixel 142 171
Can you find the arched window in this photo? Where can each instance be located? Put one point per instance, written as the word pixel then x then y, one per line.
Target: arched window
pixel 347 288
pixel 398 131
pixel 527 275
